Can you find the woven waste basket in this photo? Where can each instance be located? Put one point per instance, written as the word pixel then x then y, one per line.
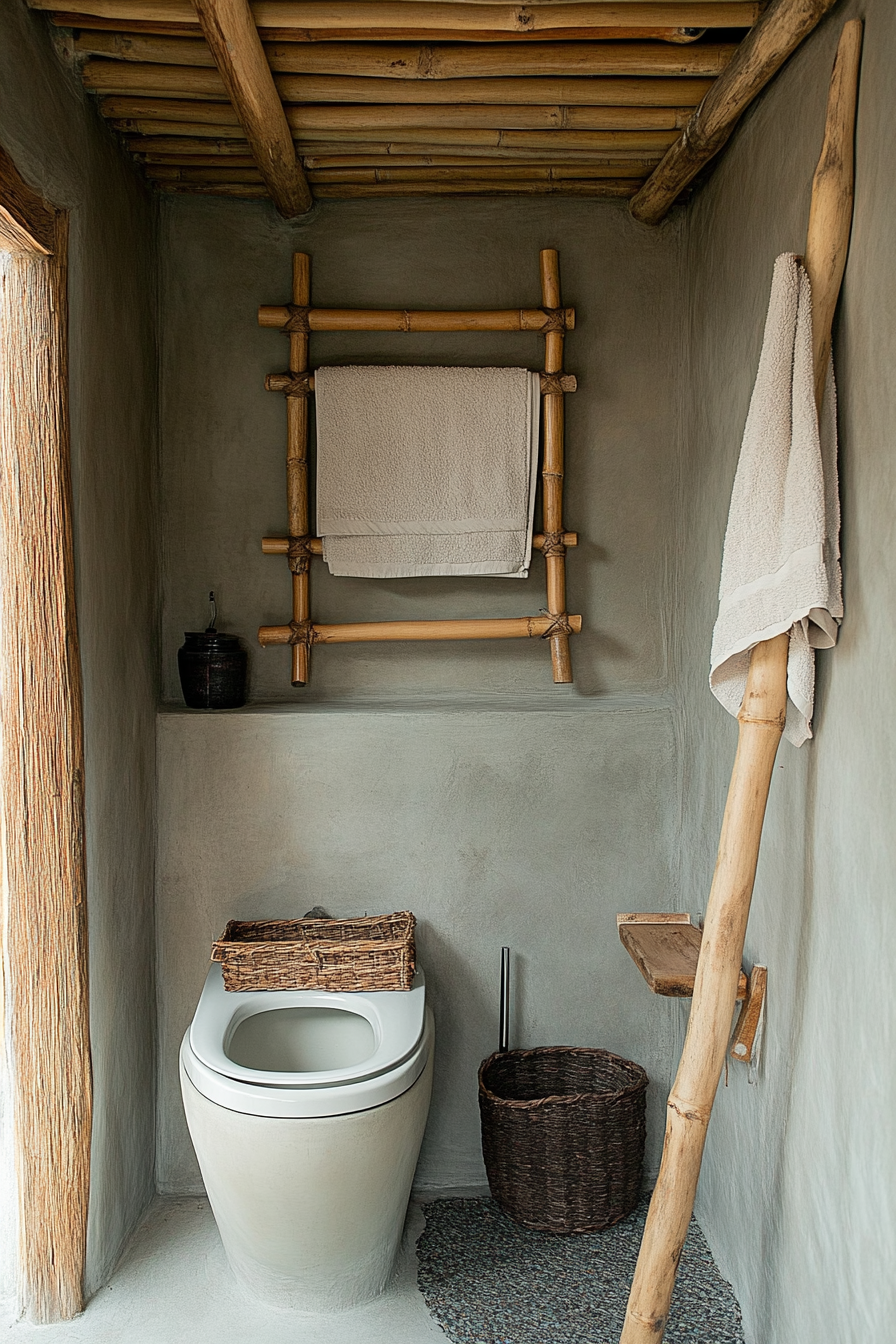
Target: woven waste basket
pixel 563 1136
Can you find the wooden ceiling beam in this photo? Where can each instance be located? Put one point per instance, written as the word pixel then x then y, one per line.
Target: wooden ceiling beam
pixel 118 77
pixel 230 31
pixel 402 18
pixel 415 61
pixel 783 26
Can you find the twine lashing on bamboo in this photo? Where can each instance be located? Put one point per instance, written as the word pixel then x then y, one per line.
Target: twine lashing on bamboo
pixel 298 319
pixel 559 624
pixel 553 544
pixel 290 384
pixel 552 383
pixel 301 632
pixel 299 554
pixel 555 321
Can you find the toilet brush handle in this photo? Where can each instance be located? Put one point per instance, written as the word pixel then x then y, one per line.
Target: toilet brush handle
pixel 504 1014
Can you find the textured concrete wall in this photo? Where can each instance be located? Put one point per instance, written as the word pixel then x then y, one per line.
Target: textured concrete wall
pixel 799 1179
pixel 60 145
pixel 395 785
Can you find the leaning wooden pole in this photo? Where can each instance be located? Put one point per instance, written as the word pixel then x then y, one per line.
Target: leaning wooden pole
pixel 761 722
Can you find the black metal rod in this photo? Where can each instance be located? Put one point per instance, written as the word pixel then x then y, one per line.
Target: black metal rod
pixel 504 1019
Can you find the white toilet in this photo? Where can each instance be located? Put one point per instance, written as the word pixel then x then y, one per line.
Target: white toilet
pixel 306 1110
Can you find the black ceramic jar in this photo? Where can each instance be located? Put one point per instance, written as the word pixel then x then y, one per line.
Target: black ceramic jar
pixel 212 670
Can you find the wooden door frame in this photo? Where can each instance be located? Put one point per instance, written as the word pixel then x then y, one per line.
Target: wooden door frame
pixel 42 779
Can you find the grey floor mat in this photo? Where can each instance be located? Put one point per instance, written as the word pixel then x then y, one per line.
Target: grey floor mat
pixel 488 1281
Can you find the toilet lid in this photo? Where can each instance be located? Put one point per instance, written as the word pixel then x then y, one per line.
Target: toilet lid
pixel 396 1018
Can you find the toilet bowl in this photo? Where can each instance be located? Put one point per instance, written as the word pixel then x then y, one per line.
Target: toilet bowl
pixel 306 1110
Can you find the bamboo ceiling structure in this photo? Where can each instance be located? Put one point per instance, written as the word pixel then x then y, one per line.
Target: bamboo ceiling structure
pixel 302 99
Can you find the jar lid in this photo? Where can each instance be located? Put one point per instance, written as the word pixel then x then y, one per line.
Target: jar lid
pixel 213 640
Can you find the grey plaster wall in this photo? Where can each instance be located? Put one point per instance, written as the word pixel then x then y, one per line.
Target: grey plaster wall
pixel 455 780
pixel 62 147
pixel 798 1184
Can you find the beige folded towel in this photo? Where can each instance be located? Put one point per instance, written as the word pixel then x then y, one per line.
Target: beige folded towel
pixel 424 471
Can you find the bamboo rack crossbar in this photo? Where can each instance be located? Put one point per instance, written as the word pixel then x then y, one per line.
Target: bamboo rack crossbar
pixel 374 632
pixel 420 319
pixel 298 320
pixel 315 545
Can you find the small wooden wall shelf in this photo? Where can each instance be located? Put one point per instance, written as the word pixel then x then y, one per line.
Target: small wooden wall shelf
pixel 666 947
pixel 297 321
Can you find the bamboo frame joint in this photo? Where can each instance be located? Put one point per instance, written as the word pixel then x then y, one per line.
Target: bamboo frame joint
pixel 298 319
pixel 553 543
pixel 301 632
pixel 299 554
pixel 560 623
pixel 558 319
pixel 290 384
pixel 555 384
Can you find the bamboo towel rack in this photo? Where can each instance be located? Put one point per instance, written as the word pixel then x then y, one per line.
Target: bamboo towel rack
pixel 297 321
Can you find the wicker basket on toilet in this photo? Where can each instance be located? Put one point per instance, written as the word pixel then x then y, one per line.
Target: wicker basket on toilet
pixel 373 953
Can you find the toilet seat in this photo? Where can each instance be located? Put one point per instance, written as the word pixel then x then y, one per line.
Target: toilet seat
pixel 402 1036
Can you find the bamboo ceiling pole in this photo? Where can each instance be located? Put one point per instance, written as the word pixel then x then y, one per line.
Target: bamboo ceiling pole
pixel 319 37
pixel 229 30
pixel 374 632
pixel 405 17
pixel 415 61
pixel 757 60
pixel 386 169
pixel 761 721
pixel 574 162
pixel 241 191
pixel 433 139
pixel 493 116
pixel 163 149
pixel 592 187
pixel 552 472
pixel 297 468
pixel 417 118
pixel 180 81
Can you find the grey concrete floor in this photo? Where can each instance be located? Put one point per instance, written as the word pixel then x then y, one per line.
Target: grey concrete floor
pixel 173 1286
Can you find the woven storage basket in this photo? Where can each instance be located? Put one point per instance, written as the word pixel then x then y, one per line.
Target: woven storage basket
pixel 563 1136
pixel 373 953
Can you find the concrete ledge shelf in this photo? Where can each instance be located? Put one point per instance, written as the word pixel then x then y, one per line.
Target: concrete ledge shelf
pixel 665 948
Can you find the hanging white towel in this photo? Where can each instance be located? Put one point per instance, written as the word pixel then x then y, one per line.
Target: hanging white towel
pixel 424 471
pixel 781 563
